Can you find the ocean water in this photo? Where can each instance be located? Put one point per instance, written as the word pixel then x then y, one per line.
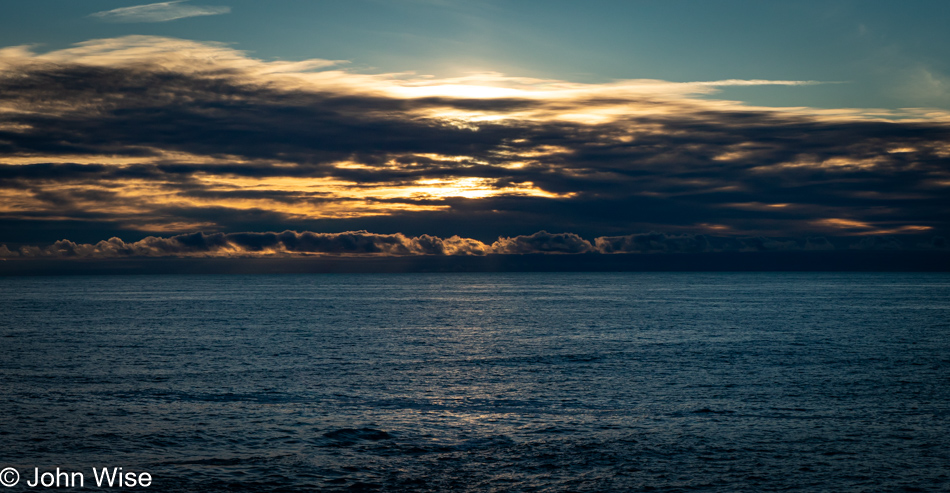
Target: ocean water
pixel 481 382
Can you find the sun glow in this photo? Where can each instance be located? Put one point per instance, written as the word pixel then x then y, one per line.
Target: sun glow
pixel 470 188
pixel 471 91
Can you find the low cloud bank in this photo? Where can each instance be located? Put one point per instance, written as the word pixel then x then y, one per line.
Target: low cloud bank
pixel 259 244
pixel 543 242
pixel 366 244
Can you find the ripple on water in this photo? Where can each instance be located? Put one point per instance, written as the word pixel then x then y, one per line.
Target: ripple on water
pixel 530 382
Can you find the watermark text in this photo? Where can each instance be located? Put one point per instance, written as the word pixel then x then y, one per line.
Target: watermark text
pixel 105 477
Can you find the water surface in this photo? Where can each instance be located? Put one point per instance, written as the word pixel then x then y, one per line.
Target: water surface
pixel 482 382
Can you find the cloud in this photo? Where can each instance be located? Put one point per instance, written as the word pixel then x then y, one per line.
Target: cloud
pixel 366 244
pixel 251 244
pixel 147 136
pixel 351 243
pixel 880 243
pixel 653 243
pixel 542 242
pixel 762 244
pixel 818 243
pixel 936 243
pixel 159 12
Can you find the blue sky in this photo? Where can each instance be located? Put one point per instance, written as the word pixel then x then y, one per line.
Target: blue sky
pixel 873 53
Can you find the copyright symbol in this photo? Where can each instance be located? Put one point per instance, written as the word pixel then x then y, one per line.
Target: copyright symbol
pixel 9 477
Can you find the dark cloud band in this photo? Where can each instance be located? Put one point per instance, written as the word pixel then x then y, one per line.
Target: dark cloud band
pixel 366 244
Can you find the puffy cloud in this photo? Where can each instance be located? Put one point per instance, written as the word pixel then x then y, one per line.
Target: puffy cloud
pixel 366 244
pixel 542 242
pixel 5 252
pixel 351 243
pixel 260 244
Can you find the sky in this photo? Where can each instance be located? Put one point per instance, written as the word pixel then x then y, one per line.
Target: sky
pixel 231 128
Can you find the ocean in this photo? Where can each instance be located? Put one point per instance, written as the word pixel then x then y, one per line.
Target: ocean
pixel 718 382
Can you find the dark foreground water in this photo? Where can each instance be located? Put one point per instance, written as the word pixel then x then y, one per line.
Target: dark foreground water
pixel 521 382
